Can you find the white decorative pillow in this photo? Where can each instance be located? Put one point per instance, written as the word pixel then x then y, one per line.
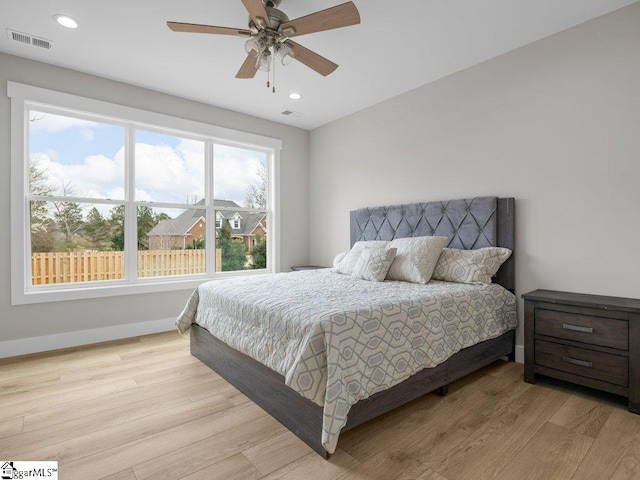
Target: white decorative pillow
pixel 416 258
pixel 373 263
pixel 338 258
pixel 345 266
pixel 470 266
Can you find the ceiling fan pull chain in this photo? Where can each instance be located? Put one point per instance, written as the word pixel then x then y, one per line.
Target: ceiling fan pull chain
pixel 274 73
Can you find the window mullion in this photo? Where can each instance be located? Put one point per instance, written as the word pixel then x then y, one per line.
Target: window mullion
pixel 22 132
pixel 210 217
pixel 130 210
pixel 273 214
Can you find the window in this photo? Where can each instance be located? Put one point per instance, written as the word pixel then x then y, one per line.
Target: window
pixel 110 200
pixel 236 222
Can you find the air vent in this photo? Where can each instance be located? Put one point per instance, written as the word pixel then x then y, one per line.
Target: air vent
pixel 28 39
pixel 291 113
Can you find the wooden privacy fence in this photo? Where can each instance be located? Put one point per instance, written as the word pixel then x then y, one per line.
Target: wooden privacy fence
pixel 69 267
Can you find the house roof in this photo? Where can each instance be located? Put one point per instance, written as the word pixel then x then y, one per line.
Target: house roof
pixel 179 225
pixel 184 222
pixel 249 222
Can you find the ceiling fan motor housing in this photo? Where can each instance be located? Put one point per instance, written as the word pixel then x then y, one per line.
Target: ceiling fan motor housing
pixel 276 17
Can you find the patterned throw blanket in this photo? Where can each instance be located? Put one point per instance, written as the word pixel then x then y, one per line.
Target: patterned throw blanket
pixel 337 339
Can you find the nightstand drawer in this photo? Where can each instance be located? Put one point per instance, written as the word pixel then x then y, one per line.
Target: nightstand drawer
pixel 606 332
pixel 579 361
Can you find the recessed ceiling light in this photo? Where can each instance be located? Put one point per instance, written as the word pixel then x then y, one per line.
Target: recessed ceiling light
pixel 66 21
pixel 295 96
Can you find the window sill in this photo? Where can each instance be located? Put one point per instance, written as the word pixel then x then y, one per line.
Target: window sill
pixel 66 292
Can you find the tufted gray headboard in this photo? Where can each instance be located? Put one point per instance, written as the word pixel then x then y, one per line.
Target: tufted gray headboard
pixel 469 223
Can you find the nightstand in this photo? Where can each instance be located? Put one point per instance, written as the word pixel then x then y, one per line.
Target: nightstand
pixel 590 340
pixel 306 267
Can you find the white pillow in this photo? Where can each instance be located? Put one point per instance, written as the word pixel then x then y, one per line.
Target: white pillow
pixel 373 263
pixel 416 258
pixel 470 266
pixel 338 258
pixel 345 266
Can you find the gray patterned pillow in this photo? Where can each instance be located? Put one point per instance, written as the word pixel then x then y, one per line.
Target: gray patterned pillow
pixel 345 266
pixel 416 258
pixel 470 266
pixel 373 263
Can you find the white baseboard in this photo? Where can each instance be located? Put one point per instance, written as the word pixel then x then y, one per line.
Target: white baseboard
pixel 519 353
pixel 23 346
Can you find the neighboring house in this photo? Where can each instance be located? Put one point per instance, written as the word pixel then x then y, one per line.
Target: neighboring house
pixel 186 229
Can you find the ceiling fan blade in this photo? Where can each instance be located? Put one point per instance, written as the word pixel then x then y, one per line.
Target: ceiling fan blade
pixel 311 59
pixel 195 28
pixel 257 11
pixel 335 17
pixel 249 67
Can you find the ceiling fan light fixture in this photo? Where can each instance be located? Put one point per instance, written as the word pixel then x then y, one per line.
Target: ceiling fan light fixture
pixel 256 44
pixel 285 53
pixel 264 61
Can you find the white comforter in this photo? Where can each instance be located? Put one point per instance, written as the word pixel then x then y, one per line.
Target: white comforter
pixel 337 339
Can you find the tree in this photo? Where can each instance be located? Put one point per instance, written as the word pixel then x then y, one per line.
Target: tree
pixel 256 196
pixel 259 253
pixel 96 229
pixel 233 257
pixel 116 225
pixel 146 221
pixel 68 216
pixel 43 228
pixel 198 244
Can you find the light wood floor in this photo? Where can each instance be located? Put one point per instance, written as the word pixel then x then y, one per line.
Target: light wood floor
pixel 143 408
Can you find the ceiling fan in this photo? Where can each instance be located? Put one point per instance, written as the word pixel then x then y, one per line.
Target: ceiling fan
pixel 270 31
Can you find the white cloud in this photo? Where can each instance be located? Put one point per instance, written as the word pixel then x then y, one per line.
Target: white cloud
pixel 163 174
pixel 234 170
pixel 169 175
pixel 94 178
pixel 143 196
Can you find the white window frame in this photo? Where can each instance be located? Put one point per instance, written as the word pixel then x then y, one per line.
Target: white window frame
pixel 236 221
pixel 23 97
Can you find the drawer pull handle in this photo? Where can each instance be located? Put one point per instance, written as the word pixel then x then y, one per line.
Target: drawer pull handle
pixel 574 361
pixel 577 328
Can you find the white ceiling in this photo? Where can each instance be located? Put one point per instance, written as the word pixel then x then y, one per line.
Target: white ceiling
pixel 400 45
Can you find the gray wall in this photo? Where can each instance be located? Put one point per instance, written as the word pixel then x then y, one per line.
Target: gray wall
pixel 58 317
pixel 555 124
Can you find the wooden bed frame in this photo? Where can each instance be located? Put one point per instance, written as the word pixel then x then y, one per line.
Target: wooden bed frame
pixel 304 418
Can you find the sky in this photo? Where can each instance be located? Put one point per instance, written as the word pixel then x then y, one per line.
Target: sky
pixel 89 157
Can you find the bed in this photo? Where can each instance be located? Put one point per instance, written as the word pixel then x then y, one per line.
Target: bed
pixel 336 390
